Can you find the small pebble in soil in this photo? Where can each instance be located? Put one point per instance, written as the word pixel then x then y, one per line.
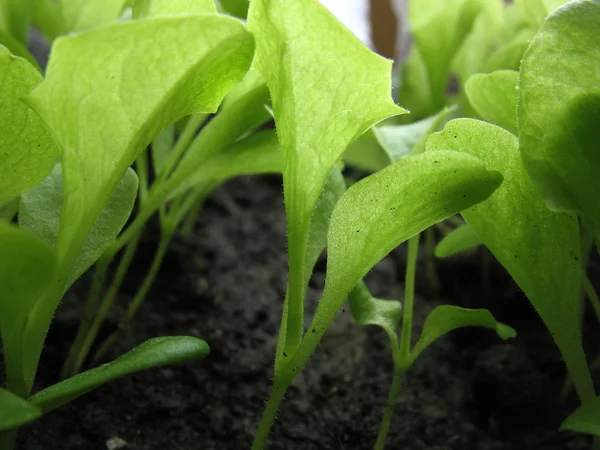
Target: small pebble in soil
pixel 115 443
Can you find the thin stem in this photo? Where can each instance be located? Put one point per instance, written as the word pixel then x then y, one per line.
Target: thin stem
pixel 591 293
pixel 409 297
pixel 109 299
pixel 190 220
pixel 395 389
pixel 187 135
pixel 268 418
pixel 432 273
pixel 139 297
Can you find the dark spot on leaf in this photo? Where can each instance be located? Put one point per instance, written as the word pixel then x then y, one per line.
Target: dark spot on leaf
pixel 313 330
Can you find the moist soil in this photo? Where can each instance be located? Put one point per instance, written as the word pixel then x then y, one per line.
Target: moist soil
pixel 225 283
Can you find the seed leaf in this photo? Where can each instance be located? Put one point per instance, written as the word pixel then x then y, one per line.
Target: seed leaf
pixel 515 225
pixel 494 97
pixel 26 268
pixel 559 110
pixel 27 149
pixel 40 210
pixel 446 318
pixel 327 89
pixel 458 240
pixel 585 419
pixel 381 211
pixel 14 411
pixel 154 352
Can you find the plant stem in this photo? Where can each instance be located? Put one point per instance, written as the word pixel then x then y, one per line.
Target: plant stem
pixel 430 259
pixel 392 396
pixel 591 294
pixel 268 418
pixel 409 297
pixel 139 297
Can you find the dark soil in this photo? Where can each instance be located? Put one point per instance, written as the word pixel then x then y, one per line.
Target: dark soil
pixel 226 283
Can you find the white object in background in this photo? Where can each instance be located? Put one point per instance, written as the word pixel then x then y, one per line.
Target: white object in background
pixel 355 15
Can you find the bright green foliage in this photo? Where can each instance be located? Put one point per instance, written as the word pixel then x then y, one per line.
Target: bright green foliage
pixel 494 97
pixel 559 110
pixel 378 213
pixel 515 225
pixel 586 419
pixel 40 213
pixel 17 49
pixel 26 268
pixel 152 353
pixel 149 8
pixel 386 144
pixel 446 318
pixel 107 93
pixel 15 16
pixel 368 310
pixel 78 15
pixel 535 11
pixel 439 32
pixel 14 411
pixel 509 55
pixel 162 145
pixel 27 149
pixel 458 240
pixel 327 89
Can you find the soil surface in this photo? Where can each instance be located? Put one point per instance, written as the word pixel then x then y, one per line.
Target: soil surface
pixel 226 283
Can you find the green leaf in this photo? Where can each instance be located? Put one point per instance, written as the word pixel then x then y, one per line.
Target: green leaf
pixel 440 38
pixel 26 268
pixel 18 49
pixel 509 55
pixel 162 145
pixel 238 8
pixel 539 248
pixel 298 43
pixel 444 319
pixel 14 411
pixel 15 16
pixel 154 352
pixel 149 8
pixel 559 110
pixel 494 97
pixel 257 154
pixel 585 419
pixel 242 111
pixel 110 90
pixel 27 149
pixel 368 310
pixel 41 208
pixel 80 15
pixel 458 240
pixel 381 211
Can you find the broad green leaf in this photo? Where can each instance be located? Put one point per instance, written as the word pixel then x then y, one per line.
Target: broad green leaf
pixel 585 419
pixel 26 268
pixel 48 19
pixel 537 10
pixel 149 8
pixel 242 111
pixel 40 210
pixel 80 15
pixel 27 149
pixel 444 319
pixel 327 89
pixel 381 211
pixel 368 310
pixel 154 352
pixel 257 154
pixel 415 88
pixel 438 41
pixel 110 90
pixel 559 110
pixel 494 97
pixel 238 8
pixel 509 55
pixel 15 16
pixel 458 240
pixel 9 210
pixel 14 411
pixel 538 247
pixel 366 153
pixel 18 49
